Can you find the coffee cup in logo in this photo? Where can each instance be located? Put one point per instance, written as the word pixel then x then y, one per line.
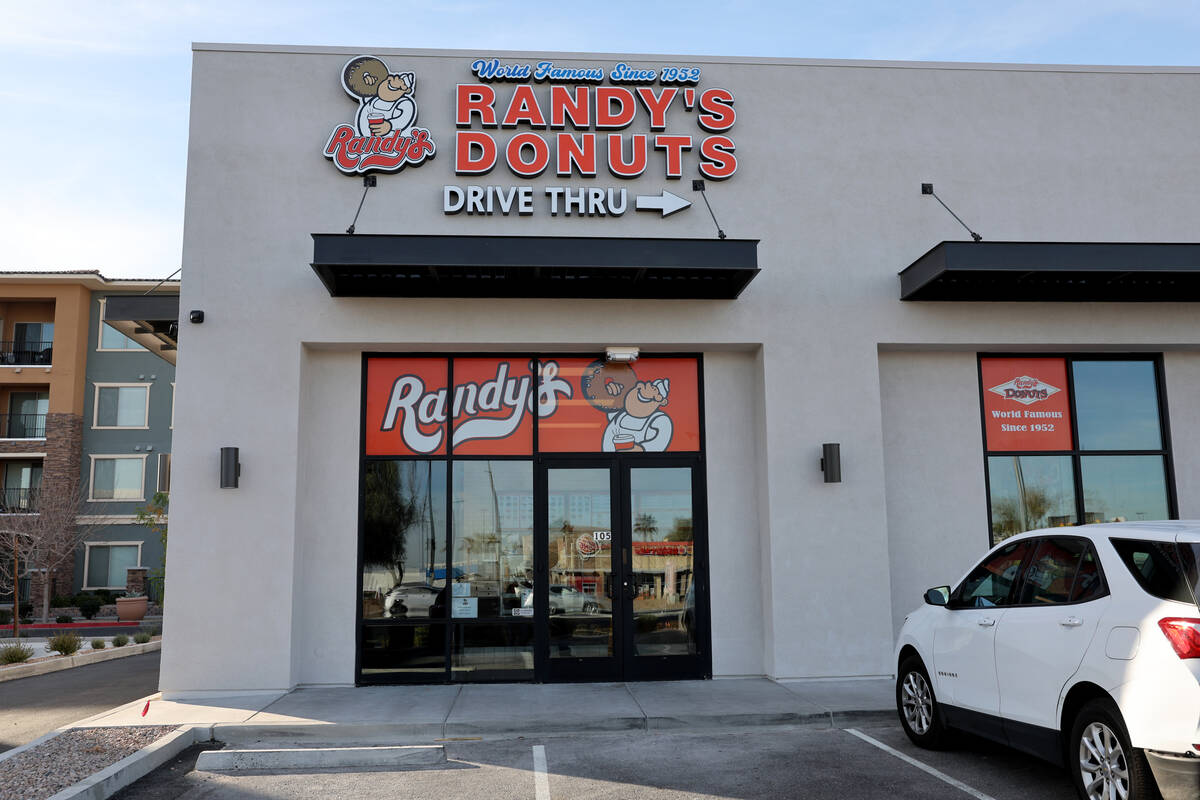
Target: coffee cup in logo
pixel 623 441
pixel 374 119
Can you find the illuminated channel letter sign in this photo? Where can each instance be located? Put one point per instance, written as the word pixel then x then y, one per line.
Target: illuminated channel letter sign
pixel 584 130
pixel 577 122
pixel 1025 404
pixel 582 405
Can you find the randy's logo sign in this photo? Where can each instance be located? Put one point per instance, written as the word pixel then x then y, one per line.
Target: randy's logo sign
pixel 384 136
pixel 1025 390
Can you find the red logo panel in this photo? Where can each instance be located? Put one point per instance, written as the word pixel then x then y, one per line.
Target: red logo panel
pixel 1025 405
pixel 589 405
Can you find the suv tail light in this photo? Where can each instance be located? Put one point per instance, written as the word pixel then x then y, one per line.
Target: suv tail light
pixel 1184 635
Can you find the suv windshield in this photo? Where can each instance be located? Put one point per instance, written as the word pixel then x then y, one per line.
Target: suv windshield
pixel 1157 567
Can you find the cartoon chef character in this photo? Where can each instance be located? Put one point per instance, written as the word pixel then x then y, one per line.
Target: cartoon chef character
pixel 641 425
pixel 385 97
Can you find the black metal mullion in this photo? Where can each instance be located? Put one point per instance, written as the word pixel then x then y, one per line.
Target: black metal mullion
pixel 1076 461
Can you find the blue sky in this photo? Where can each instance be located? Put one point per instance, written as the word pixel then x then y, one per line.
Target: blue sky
pixel 94 95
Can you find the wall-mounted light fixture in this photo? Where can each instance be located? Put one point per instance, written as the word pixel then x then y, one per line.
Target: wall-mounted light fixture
pixel 621 354
pixel 831 462
pixel 196 316
pixel 231 468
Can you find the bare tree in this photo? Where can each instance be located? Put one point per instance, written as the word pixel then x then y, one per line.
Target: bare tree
pixel 53 533
pixel 16 548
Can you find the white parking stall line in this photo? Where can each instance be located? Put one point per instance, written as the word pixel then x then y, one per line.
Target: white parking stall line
pixel 541 782
pixel 957 784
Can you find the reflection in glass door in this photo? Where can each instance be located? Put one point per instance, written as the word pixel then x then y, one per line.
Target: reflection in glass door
pixel 581 580
pixel 663 573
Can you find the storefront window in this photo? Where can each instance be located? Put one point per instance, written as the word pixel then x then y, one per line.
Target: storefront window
pixel 1030 492
pixel 493 539
pixel 1119 488
pixel 1073 441
pixel 404 540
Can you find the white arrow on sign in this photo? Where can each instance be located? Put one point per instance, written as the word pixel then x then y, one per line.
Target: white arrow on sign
pixel 666 202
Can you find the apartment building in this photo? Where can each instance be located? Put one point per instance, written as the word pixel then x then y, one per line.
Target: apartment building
pixel 83 404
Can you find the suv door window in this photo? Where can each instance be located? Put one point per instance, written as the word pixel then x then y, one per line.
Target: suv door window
pixel 990 583
pixel 1052 573
pixel 1089 581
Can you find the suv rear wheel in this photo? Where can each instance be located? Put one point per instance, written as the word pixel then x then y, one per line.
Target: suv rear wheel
pixel 917 705
pixel 1101 760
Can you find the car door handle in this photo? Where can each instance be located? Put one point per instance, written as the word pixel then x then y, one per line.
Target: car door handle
pixel 1071 622
pixel 986 622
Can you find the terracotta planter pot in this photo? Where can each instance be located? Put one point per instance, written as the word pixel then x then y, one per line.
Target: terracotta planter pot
pixel 132 609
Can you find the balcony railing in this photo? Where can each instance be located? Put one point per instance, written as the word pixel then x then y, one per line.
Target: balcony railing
pixel 22 426
pixel 15 354
pixel 18 501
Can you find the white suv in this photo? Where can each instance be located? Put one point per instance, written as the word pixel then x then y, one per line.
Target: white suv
pixel 1080 645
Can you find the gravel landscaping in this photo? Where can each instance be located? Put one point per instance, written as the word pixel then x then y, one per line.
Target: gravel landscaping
pixel 70 757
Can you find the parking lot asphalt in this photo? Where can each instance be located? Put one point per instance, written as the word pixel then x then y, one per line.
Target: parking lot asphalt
pixel 30 707
pixel 783 762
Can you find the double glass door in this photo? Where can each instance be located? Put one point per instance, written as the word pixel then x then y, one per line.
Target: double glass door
pixel 621 593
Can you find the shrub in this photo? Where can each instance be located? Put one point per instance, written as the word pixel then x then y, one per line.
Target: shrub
pixel 26 610
pixel 5 616
pixel 120 640
pixel 26 620
pixel 154 630
pixel 141 637
pixel 88 604
pixel 97 644
pixel 15 653
pixel 64 619
pixel 58 601
pixel 65 643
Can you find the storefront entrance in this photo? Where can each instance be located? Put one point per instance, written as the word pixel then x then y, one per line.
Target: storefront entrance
pixel 532 518
pixel 621 561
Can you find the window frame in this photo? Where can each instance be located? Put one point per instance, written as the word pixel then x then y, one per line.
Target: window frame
pixel 1077 454
pixel 87 556
pixel 92 477
pixel 100 348
pixel 96 426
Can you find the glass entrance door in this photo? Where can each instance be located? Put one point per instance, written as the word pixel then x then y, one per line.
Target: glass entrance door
pixel 622 590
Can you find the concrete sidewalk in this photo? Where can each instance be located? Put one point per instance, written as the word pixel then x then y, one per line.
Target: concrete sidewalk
pixel 391 715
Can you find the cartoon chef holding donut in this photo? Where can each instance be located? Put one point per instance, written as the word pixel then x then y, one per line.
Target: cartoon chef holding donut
pixel 636 421
pixel 386 102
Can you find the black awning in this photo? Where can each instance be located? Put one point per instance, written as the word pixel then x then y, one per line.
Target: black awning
pixel 1057 271
pixel 533 266
pixel 150 320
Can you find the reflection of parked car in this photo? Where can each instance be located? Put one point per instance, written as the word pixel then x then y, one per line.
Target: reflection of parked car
pixel 565 600
pixel 1082 647
pixel 410 600
pixel 687 617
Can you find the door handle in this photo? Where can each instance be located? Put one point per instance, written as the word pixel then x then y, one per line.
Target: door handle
pixel 1071 622
pixel 986 622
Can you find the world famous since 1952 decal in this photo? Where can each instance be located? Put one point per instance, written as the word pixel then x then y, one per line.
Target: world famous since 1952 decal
pixel 384 136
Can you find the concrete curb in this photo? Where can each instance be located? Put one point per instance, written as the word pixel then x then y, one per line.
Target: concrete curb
pixel 112 779
pixel 77 660
pixel 321 758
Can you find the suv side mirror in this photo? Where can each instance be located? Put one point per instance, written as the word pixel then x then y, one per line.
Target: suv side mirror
pixel 938 596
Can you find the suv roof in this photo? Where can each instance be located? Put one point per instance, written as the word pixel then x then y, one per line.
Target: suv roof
pixel 1163 530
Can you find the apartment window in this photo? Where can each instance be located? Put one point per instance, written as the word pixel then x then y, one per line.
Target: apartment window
pixel 122 405
pixel 164 472
pixel 1074 440
pixel 112 339
pixel 33 343
pixel 106 563
pixel 118 478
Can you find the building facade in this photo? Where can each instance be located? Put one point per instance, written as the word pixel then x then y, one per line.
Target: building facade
pixel 54 351
pixel 129 399
pixel 554 406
